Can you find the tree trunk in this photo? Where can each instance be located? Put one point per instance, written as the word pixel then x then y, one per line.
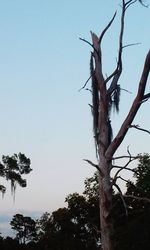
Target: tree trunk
pixel 105 204
pixel 105 92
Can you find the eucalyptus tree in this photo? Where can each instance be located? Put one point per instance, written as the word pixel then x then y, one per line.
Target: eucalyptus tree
pixel 105 96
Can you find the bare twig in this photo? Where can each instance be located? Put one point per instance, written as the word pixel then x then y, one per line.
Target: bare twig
pixel 88 90
pixel 131 44
pixel 125 156
pixel 130 3
pixel 111 76
pixel 121 178
pixel 145 5
pixel 126 90
pixel 129 152
pixel 122 168
pixel 84 40
pixel 117 72
pixel 125 167
pixel 107 27
pixel 85 83
pixel 92 164
pixel 138 127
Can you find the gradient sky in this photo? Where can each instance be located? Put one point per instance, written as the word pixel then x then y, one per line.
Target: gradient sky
pixel 43 64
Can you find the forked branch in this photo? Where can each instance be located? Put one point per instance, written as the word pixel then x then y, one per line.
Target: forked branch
pixel 117 72
pixel 133 110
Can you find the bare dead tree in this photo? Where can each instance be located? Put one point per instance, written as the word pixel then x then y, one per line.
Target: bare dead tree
pixel 105 96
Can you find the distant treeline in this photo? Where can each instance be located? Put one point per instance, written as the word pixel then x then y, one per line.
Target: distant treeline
pixel 76 226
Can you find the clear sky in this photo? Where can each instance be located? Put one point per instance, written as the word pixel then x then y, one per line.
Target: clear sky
pixel 43 64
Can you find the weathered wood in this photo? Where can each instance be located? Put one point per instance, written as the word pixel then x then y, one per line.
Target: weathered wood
pixel 101 117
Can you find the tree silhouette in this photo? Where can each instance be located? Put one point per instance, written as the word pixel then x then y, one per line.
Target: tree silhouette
pixel 12 168
pixel 25 227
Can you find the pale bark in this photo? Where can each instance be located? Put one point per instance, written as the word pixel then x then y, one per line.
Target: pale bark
pixel 105 187
pixel 105 147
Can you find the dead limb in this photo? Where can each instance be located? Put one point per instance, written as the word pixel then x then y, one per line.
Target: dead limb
pixel 138 127
pixel 85 83
pixel 117 72
pixel 125 156
pixel 122 198
pixel 125 167
pixel 133 111
pixel 107 27
pixel 122 168
pixel 131 44
pixel 84 40
pixel 94 165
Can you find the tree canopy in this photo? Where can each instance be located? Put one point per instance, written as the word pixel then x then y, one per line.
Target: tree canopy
pixel 25 228
pixel 76 226
pixel 12 168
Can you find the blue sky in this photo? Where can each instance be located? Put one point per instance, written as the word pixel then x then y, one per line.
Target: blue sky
pixel 43 64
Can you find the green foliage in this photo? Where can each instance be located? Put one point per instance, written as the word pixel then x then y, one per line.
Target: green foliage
pixel 142 176
pixel 73 227
pixel 12 168
pixel 25 228
pixel 91 187
pixel 76 226
pixel 133 232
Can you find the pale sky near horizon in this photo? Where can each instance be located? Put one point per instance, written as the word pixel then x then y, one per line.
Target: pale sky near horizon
pixel 43 64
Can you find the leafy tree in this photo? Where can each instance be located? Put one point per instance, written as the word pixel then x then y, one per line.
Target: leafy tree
pixel 76 225
pixel 25 228
pixel 72 227
pixel 133 231
pixel 105 97
pixel 12 168
pixel 141 188
pixel 59 232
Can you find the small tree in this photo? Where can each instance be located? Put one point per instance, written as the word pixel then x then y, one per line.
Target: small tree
pixel 12 168
pixel 105 96
pixel 25 228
